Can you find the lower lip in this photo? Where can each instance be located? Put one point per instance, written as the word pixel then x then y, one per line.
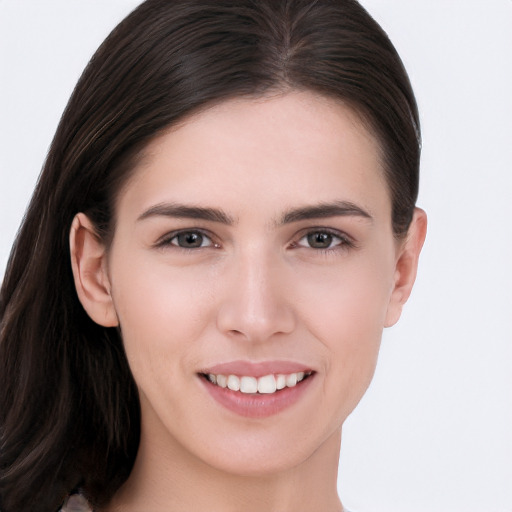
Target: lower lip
pixel 257 405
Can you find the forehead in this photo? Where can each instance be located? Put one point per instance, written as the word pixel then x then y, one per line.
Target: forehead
pixel 277 151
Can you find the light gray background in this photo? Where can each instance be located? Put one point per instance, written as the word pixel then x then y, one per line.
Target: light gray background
pixel 434 432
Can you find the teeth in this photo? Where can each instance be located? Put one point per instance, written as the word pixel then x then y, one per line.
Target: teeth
pixel 222 380
pixel 233 383
pixel 291 380
pixel 265 385
pixel 280 381
pixel 248 385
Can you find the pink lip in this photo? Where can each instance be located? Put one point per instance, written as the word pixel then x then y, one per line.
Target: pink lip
pixel 256 405
pixel 261 369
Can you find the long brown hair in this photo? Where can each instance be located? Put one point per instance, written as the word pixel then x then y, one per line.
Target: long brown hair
pixel 69 410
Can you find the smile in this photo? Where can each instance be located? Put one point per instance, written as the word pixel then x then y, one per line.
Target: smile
pixel 258 389
pixel 268 384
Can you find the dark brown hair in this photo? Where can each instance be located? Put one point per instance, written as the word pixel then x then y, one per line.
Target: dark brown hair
pixel 69 410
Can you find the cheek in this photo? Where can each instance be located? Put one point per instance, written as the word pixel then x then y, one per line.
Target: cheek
pixel 345 309
pixel 162 312
pixel 349 300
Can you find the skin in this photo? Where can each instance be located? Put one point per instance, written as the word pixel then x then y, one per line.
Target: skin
pixel 256 290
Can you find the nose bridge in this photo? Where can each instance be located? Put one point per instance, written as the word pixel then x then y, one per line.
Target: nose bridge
pixel 254 304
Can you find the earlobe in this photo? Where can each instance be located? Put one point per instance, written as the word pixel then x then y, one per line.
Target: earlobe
pixel 89 265
pixel 406 266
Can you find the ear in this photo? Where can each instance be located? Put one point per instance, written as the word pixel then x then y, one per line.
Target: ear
pixel 406 266
pixel 89 264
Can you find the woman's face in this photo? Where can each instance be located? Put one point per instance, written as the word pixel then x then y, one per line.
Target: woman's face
pixel 254 240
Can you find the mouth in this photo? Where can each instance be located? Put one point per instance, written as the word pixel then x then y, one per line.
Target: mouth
pixel 265 385
pixel 250 392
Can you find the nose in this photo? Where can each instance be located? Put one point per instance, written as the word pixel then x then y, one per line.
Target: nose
pixel 256 303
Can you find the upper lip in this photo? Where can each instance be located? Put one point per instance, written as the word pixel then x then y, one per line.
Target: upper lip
pixel 257 369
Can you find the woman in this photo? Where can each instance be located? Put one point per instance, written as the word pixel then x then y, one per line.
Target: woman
pixel 224 225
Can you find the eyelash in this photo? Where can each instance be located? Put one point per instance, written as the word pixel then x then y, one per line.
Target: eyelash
pixel 167 240
pixel 344 242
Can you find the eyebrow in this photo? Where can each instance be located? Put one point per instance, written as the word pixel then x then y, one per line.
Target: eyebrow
pixel 323 210
pixel 187 212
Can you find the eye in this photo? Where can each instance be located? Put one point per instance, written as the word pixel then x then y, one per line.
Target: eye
pixel 188 240
pixel 324 239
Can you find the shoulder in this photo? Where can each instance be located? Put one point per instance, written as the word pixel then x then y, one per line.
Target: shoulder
pixel 76 503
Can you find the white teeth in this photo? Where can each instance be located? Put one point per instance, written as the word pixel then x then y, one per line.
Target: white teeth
pixel 233 383
pixel 248 385
pixel 222 381
pixel 280 381
pixel 266 385
pixel 291 380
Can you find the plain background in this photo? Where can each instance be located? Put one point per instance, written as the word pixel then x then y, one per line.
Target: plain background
pixel 434 432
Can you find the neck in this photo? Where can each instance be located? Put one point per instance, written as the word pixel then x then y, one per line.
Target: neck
pixel 179 482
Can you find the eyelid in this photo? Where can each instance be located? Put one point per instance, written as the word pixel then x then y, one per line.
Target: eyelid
pixel 165 240
pixel 346 241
